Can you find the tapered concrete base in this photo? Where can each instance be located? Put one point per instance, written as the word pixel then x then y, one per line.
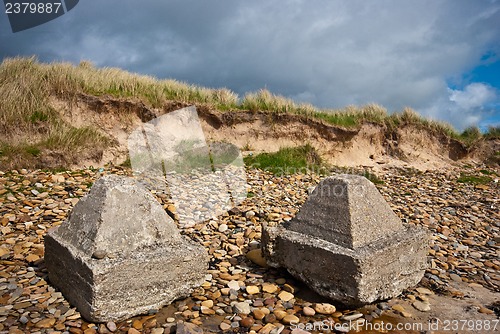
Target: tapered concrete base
pixel 377 271
pixel 347 244
pixel 116 289
pixel 120 255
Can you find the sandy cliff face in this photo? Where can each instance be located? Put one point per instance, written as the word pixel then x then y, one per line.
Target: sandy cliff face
pixel 371 145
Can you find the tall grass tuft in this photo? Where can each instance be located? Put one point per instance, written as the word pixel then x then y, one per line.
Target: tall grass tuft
pixel 265 100
pixel 493 132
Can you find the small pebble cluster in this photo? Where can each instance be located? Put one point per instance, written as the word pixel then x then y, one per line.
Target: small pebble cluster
pixel 240 293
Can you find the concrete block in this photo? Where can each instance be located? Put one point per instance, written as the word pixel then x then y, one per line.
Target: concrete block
pixel 119 254
pixel 347 244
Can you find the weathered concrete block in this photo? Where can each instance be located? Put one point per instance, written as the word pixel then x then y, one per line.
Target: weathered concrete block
pixel 119 254
pixel 347 244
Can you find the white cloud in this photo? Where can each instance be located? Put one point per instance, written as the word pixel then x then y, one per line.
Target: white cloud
pixel 463 108
pixel 473 96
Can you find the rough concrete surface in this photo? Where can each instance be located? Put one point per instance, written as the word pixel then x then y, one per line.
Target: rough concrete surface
pixel 347 244
pixel 119 254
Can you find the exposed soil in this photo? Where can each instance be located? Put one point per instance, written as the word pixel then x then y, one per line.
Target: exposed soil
pixel 370 145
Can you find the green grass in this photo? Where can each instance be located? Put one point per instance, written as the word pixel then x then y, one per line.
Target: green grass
pixel 373 178
pixel 8 151
pixel 17 154
pixel 473 179
pixel 338 118
pixel 493 132
pixel 487 172
pixel 288 160
pixel 127 163
pixel 470 135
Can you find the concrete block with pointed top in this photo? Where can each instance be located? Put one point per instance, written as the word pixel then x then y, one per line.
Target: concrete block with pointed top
pixel 347 244
pixel 119 254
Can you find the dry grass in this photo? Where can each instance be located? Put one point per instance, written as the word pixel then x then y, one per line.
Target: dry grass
pixel 266 101
pixel 28 123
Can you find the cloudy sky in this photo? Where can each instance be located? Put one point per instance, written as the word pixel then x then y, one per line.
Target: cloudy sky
pixel 440 57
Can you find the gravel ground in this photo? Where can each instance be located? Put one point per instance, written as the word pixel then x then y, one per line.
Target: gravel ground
pixel 241 295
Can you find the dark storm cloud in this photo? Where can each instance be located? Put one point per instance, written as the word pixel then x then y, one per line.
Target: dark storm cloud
pixel 330 53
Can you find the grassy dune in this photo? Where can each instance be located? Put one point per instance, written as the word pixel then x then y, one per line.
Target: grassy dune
pixel 29 125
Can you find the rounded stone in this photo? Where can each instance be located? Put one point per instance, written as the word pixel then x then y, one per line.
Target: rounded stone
pixel 285 296
pixel 324 308
pixel 233 285
pixel 99 254
pixel 421 306
pixel 309 311
pixel 247 322
pixel 258 314
pixel 270 318
pixel 280 314
pixel 207 303
pixel 252 289
pixel 269 288
pixel 351 316
pixel 111 326
pixel 290 319
pixel 249 214
pixel 241 308
pixel 255 255
pixel 224 326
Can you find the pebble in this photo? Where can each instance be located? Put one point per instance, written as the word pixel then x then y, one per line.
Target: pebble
pixel 285 296
pixel 188 328
pixel 485 310
pixel 258 314
pixel 290 319
pixel 270 288
pixel 45 323
pixel 157 331
pixel 351 316
pixel 99 254
pixel 241 308
pixel 324 308
pixel 406 314
pixel 224 326
pixel 270 318
pixel 299 331
pixel 252 289
pixel 234 285
pixel 398 307
pixel 421 306
pixel 249 214
pixel 207 303
pixel 308 311
pixel 223 228
pixel 255 255
pixel 247 322
pixel 111 326
pixel 280 314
